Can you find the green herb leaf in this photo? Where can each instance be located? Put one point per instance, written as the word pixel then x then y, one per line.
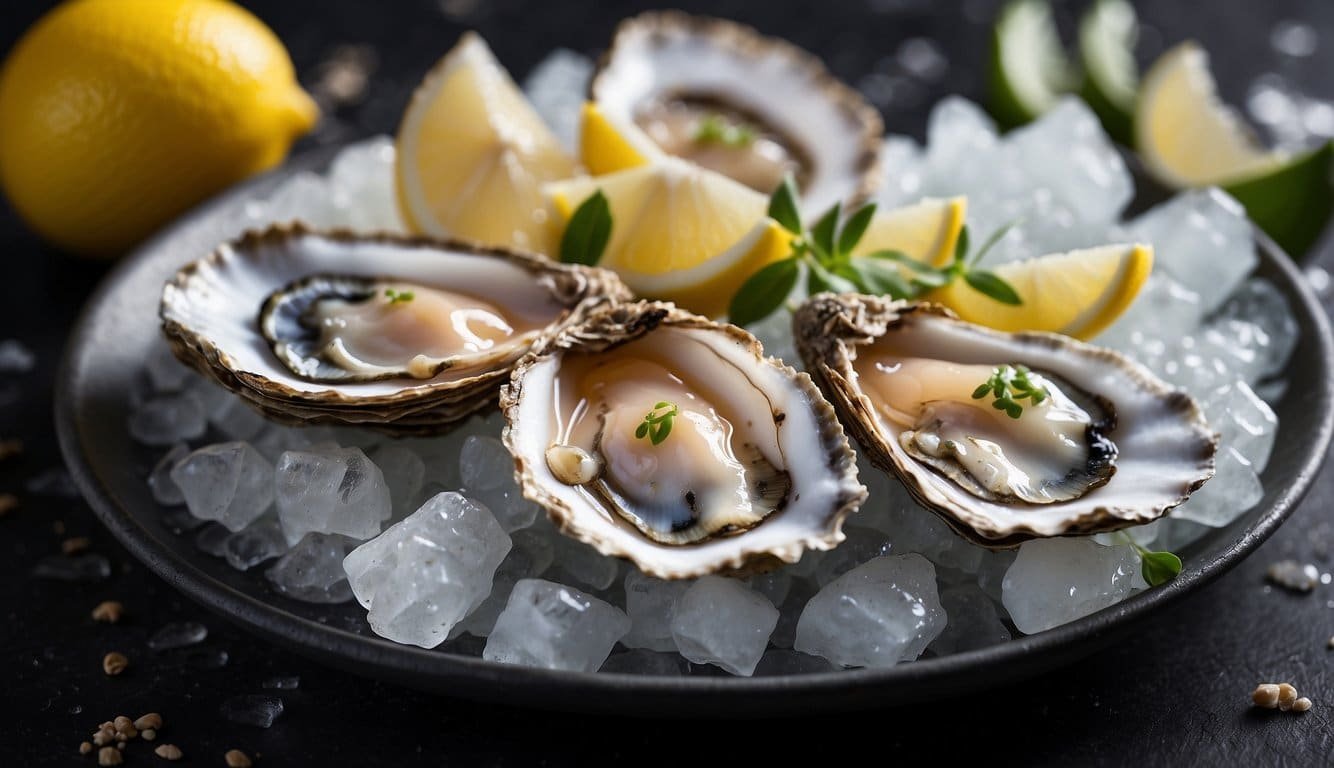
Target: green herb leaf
pixel 822 234
pixel 994 238
pixel 587 233
pixel 923 275
pixel 1158 567
pixel 783 207
pixel 881 278
pixel 961 246
pixel 820 279
pixel 657 425
pixel 663 430
pixel 641 430
pixel 398 297
pixel 854 228
pixel 982 391
pixel 764 291
pixel 716 129
pixel 991 285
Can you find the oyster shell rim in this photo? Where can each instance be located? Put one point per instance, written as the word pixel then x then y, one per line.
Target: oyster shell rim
pixel 633 320
pixel 827 324
pixel 582 289
pixel 860 112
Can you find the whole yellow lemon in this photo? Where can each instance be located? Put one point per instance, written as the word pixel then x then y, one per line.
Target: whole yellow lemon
pixel 117 115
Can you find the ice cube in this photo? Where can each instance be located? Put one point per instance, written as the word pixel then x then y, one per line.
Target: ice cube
pixel 956 132
pixel 230 483
pixel 335 490
pixel 1055 581
pixel 165 491
pixel 306 197
pixel 861 545
pixel 165 372
pixel 1203 239
pixel 649 602
pixel 1259 302
pixel 168 419
pixel 723 622
pixel 404 472
pixel 800 592
pixel 529 556
pixel 774 585
pixel 553 626
pixel 261 540
pixel 1244 422
pixel 556 88
pixel 236 420
pixel 212 539
pixel 875 615
pixel 901 161
pixel 487 470
pixel 582 564
pixel 973 622
pixel 313 570
pixel 991 571
pixel 423 575
pixel 1163 309
pixel 1234 488
pixel 363 174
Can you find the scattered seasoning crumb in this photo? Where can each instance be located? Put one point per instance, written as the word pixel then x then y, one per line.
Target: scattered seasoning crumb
pixel 235 758
pixel 8 503
pixel 108 611
pixel 1265 695
pixel 75 545
pixel 105 735
pixel 1287 694
pixel 114 663
pixel 1301 705
pixel 85 747
pixel 1290 574
pixel 10 448
pixel 148 734
pixel 109 756
pixel 152 720
pixel 169 752
pixel 125 729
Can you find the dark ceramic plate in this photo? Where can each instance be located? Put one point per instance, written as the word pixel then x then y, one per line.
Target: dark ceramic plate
pixel 102 368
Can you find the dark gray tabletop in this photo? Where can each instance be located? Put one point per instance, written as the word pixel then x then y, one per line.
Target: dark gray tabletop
pixel 1175 693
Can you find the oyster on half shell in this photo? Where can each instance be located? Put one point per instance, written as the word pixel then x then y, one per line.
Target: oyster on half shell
pixel 403 334
pixel 752 467
pixel 1103 445
pixel 751 107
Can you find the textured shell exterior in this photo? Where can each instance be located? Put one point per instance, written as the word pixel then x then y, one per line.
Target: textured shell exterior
pixel 209 314
pixel 823 467
pixel 1166 447
pixel 667 52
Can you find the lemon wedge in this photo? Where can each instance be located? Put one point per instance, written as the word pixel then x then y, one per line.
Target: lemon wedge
pixel 680 232
pixel 1185 134
pixel 473 155
pixel 927 231
pixel 1078 293
pixel 607 147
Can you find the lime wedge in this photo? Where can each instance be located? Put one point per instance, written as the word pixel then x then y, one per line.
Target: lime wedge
pixel 1293 202
pixel 1029 68
pixel 1107 35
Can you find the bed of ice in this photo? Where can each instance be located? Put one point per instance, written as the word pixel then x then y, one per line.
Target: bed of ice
pixel 432 537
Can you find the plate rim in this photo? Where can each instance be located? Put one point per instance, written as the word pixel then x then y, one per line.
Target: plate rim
pixel 644 695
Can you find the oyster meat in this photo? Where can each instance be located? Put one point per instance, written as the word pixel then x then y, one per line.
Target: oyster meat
pixel 663 437
pixel 404 334
pixel 752 107
pixel 1006 436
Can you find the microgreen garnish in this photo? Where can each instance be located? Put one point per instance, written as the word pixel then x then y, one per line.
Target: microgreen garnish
pixel 716 129
pixel 1156 567
pixel 823 253
pixel 398 297
pixel 657 425
pixel 587 233
pixel 1009 384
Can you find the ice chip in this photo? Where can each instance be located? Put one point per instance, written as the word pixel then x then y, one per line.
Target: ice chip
pixel 330 490
pixel 261 540
pixel 1234 488
pixel 165 491
pixel 1244 422
pixel 168 419
pixel 313 570
pixel 236 420
pixel 723 622
pixel 650 602
pixel 876 615
pixel 1203 239
pixel 1055 581
pixel 556 88
pixel 404 473
pixel 230 483
pixel 553 626
pixel 423 575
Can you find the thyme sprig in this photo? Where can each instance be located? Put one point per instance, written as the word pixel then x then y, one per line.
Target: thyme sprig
pixel 824 254
pixel 716 129
pixel 657 425
pixel 1009 384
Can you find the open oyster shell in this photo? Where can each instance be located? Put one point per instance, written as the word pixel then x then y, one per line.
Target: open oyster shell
pixel 756 468
pixel 1160 445
pixel 667 72
pixel 226 315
